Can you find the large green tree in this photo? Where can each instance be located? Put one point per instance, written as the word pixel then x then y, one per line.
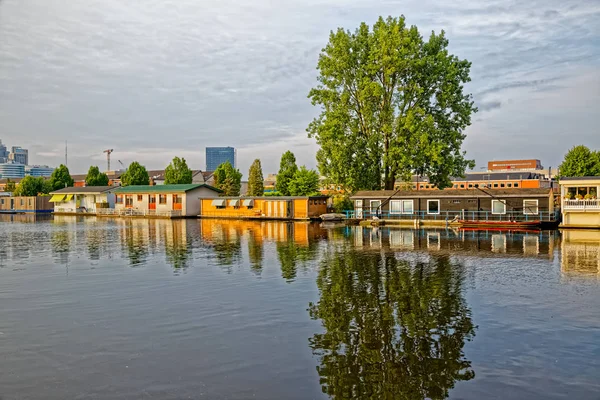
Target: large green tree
pixel 391 329
pixel 61 178
pixel 256 186
pixel 287 171
pixel 10 186
pixel 228 179
pixel 580 161
pixel 96 178
pixel 178 172
pixel 32 186
pixel 304 183
pixel 393 104
pixel 136 174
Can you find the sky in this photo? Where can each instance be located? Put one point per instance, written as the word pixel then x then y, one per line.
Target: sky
pixel 156 79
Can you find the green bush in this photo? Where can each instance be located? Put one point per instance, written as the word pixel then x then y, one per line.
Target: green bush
pixel 342 204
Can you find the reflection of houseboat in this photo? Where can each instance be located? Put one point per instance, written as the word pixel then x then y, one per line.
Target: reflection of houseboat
pixel 507 209
pixel 580 252
pixel 580 204
pixel 275 207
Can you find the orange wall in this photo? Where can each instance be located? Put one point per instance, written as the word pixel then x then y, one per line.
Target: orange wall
pixel 302 208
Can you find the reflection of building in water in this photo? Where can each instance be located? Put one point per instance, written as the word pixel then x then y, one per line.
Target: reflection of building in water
pixel 580 252
pixel 465 242
pixel 301 233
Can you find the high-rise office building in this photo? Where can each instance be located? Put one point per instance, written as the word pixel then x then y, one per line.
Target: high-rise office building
pixel 218 155
pixel 19 155
pixel 39 170
pixel 3 153
pixel 12 170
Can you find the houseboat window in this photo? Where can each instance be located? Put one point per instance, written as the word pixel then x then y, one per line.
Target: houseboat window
pixel 498 207
pixel 177 199
pixel 477 185
pixel 433 206
pixel 358 203
pixel 516 185
pixel 502 185
pixel 462 185
pixel 530 207
pixel 395 207
pixel 470 185
pixel 119 199
pixel 495 185
pixel 509 184
pixel 408 207
pixel 128 201
pixel 162 199
pixel 375 206
pixel 140 197
pixel 471 201
pixel 456 201
pixel 455 186
pixel 2 201
pixel 21 201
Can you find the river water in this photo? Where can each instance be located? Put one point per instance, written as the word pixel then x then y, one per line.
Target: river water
pixel 157 309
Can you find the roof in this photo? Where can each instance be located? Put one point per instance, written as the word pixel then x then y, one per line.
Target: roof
pixel 272 197
pixel 84 190
pixel 451 193
pixel 580 178
pixel 163 188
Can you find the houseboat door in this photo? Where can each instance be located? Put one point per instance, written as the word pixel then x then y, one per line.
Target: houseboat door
pixel 12 204
pixel 152 202
pixel 358 208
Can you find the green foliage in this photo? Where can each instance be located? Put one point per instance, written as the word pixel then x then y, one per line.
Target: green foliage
pixel 392 105
pixel 392 328
pixel 178 172
pixel 228 179
pixel 96 178
pixel 273 194
pixel 61 178
pixel 341 204
pixel 136 174
pixel 580 161
pixel 255 179
pixel 304 183
pixel 32 186
pixel 287 171
pixel 10 186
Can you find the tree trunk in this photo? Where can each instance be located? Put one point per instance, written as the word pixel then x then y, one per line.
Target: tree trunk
pixel 390 179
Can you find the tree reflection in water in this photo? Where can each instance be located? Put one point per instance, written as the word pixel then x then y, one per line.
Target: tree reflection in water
pixel 291 254
pixel 393 329
pixel 255 252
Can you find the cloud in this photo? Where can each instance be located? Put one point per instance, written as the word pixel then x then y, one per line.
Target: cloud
pixel 154 80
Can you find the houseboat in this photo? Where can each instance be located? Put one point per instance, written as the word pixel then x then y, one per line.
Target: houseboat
pixel 269 207
pixel 25 204
pixel 580 206
pixel 82 200
pixel 477 207
pixel 167 201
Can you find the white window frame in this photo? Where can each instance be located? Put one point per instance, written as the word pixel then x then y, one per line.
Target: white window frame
pixel 537 207
pixel 412 210
pixel 503 204
pixel 398 209
pixel 358 203
pixel 374 210
pixel 433 213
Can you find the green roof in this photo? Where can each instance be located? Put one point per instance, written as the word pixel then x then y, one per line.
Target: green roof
pixel 134 189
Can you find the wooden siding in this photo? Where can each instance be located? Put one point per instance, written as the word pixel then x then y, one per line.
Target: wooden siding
pixel 27 204
pixel 267 207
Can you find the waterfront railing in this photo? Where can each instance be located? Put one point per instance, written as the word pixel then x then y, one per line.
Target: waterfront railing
pixel 450 216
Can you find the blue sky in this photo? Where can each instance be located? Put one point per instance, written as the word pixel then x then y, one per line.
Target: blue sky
pixel 156 79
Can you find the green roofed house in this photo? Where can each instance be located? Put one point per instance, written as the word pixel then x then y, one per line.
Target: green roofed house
pixel 170 201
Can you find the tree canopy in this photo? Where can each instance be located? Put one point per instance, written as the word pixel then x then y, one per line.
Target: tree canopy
pixel 10 186
pixel 287 171
pixel 228 179
pixel 177 172
pixel 33 186
pixel 392 105
pixel 61 178
pixel 96 178
pixel 304 183
pixel 256 185
pixel 580 161
pixel 136 174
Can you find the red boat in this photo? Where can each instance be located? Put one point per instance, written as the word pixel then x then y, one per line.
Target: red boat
pixel 500 224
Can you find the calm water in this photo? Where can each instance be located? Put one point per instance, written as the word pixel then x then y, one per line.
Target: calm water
pixel 128 309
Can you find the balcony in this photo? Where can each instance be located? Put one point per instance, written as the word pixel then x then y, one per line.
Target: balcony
pixel 581 205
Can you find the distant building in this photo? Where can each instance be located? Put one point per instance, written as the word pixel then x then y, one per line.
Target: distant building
pixel 3 153
pixel 514 165
pixel 39 170
pixel 216 156
pixel 12 170
pixel 19 155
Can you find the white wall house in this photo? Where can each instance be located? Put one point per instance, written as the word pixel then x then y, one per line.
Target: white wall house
pixel 163 200
pixel 82 200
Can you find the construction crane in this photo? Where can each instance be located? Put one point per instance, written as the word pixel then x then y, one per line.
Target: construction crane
pixel 108 151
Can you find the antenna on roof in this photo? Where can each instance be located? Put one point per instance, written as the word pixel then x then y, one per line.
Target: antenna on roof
pixel 66 164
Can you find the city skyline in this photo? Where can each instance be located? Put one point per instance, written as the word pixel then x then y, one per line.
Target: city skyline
pixel 221 73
